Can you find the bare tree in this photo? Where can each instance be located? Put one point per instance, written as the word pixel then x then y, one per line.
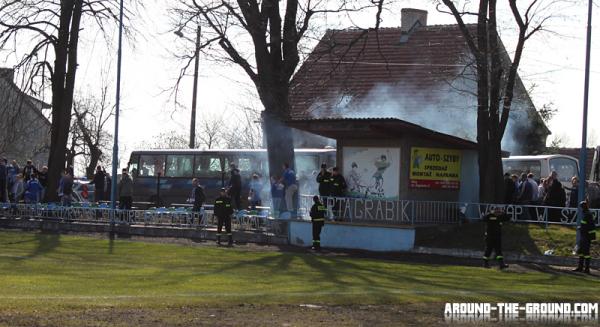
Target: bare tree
pixel 91 113
pixel 210 132
pixel 51 31
pixel 171 139
pixel 264 39
pixel 496 78
pixel 246 132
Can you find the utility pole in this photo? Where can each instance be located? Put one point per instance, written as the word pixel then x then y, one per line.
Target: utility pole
pixel 115 158
pixel 586 92
pixel 195 91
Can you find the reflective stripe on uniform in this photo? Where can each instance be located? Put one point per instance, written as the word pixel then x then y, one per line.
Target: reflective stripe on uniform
pixel 499 257
pixel 587 256
pixel 319 219
pixel 584 221
pixel 322 208
pixel 592 231
pixel 316 241
pixel 219 202
pixel 485 258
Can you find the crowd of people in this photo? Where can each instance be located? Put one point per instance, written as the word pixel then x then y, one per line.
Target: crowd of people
pixel 22 184
pixel 525 190
pixel 29 185
pixel 284 188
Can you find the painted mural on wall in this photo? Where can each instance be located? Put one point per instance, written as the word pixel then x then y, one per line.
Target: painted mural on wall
pixel 434 168
pixel 372 172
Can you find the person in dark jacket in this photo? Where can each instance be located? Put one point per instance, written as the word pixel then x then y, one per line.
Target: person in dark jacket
pixel 197 198
pixel 587 233
pixel 493 236
pixel 338 189
pixel 324 180
pixel 318 211
pixel 509 189
pixel 65 188
pixel 28 171
pixel 555 197
pixel 98 182
pixel 338 183
pixel 3 180
pixel 235 187
pixel 223 210
pixel 573 197
pixel 125 189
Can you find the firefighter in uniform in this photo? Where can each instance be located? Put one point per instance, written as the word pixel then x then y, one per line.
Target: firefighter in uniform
pixel 223 210
pixel 338 189
pixel 587 233
pixel 318 211
pixel 493 236
pixel 324 180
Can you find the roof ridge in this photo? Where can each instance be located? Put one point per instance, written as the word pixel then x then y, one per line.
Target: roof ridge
pixel 356 29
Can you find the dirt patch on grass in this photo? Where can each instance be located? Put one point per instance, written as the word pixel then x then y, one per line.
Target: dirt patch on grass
pixel 237 315
pixel 424 314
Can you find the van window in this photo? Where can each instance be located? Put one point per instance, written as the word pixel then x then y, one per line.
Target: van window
pixel 151 165
pixel 565 168
pixel 247 163
pixel 518 167
pixel 179 165
pixel 208 166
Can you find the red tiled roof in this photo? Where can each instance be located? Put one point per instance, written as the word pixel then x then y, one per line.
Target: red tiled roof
pixel 426 80
pixel 354 62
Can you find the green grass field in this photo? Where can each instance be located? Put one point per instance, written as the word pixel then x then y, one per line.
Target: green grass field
pixel 531 239
pixel 50 272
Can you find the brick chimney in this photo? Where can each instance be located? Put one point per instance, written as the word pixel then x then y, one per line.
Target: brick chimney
pixel 7 73
pixel 409 17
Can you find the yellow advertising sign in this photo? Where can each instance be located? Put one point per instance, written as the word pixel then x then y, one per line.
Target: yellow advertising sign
pixel 434 168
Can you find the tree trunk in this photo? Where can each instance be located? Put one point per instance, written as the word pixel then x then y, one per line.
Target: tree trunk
pixel 280 146
pixel 280 143
pixel 90 170
pixel 63 82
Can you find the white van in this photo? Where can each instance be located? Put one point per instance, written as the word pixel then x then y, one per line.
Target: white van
pixel 541 166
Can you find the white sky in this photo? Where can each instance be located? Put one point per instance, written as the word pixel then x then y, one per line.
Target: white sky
pixel 553 61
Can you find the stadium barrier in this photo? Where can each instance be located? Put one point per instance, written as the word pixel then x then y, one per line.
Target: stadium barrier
pixel 411 212
pixel 354 210
pixel 250 220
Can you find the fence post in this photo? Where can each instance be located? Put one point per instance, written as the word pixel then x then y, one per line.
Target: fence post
pixel 412 214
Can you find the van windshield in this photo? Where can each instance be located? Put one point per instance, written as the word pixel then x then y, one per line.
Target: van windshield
pixel 518 167
pixel 565 168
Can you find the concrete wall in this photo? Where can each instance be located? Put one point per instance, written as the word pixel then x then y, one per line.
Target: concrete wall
pixel 346 236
